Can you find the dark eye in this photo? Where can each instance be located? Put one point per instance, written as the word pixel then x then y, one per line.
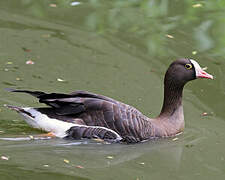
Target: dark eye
pixel 188 66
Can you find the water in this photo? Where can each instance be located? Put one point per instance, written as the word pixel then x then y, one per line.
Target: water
pixel 120 49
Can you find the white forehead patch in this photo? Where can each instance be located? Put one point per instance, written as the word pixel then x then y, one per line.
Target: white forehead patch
pixel 196 66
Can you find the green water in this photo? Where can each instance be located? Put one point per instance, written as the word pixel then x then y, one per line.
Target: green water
pixel 120 49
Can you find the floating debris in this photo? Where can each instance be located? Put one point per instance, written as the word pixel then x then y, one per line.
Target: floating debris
pixel 110 157
pixel 79 166
pixel 53 5
pixel 66 161
pixel 169 36
pixel 46 35
pixel 194 52
pixel 18 79
pixel 142 163
pixel 9 62
pixel 31 137
pixel 6 69
pixel 197 5
pixel 1 132
pixel 175 139
pixel 204 68
pixel 75 3
pixel 5 158
pixel 30 62
pixel 46 165
pixel 60 80
pixel 204 114
pixel 26 50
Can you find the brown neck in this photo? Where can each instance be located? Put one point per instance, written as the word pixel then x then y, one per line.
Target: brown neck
pixel 171 118
pixel 172 98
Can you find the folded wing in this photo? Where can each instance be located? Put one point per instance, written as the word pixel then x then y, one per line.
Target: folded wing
pixel 93 110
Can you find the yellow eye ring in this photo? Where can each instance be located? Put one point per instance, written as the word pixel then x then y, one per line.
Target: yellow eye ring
pixel 188 66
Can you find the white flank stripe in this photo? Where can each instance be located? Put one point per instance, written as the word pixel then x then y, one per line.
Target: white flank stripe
pixel 57 127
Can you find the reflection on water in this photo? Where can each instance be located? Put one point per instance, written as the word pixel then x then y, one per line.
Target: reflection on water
pixel 41 156
pixel 17 172
pixel 49 156
pixel 120 49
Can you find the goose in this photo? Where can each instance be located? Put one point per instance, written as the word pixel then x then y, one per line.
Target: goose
pixel 82 114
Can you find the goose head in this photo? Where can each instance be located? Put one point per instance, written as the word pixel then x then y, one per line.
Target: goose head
pixel 183 70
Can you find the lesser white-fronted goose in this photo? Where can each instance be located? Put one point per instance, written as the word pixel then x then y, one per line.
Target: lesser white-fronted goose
pixel 83 114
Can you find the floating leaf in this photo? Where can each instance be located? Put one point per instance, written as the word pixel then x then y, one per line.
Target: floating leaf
pixel 60 80
pixel 175 139
pixel 79 166
pixel 18 79
pixel 53 5
pixel 26 50
pixel 110 157
pixel 31 137
pixel 194 52
pixel 5 158
pixel 30 62
pixel 46 35
pixel 66 161
pixel 204 114
pixel 9 62
pixel 75 3
pixel 197 5
pixel 169 36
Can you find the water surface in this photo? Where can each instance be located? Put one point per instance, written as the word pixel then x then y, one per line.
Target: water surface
pixel 120 49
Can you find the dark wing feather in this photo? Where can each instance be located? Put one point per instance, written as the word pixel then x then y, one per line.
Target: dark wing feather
pixel 36 94
pixel 86 94
pixel 69 104
pixel 58 99
pixel 70 109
